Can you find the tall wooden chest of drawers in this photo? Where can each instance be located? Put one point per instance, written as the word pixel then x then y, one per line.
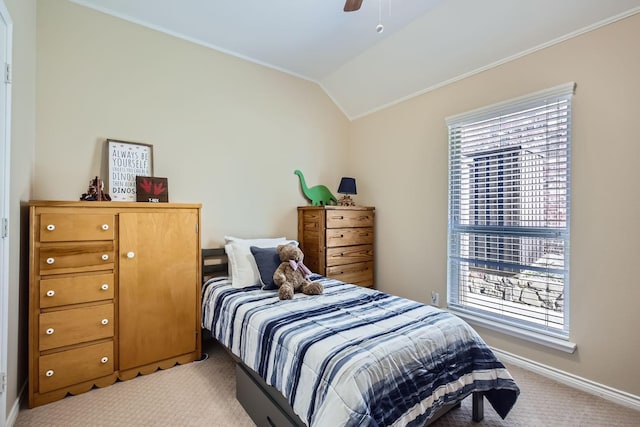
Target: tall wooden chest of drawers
pixel 114 292
pixel 337 241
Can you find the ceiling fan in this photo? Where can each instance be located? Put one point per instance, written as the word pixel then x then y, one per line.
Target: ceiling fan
pixel 352 5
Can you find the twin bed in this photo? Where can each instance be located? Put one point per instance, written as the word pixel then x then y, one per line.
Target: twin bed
pixel 352 356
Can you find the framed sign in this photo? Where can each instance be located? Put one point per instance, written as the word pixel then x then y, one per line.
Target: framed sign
pixel 126 161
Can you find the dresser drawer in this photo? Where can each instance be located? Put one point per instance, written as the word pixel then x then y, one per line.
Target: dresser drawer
pixel 61 259
pixel 360 273
pixel 59 291
pixel 349 218
pixel 70 367
pixel 349 254
pixel 56 227
pixel 77 325
pixel 349 236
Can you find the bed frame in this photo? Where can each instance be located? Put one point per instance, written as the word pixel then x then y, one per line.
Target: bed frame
pixel 266 406
pixel 214 263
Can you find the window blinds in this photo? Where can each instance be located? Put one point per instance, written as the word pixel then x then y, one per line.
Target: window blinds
pixel 509 194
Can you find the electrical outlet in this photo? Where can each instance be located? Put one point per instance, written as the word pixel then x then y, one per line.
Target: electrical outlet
pixel 435 298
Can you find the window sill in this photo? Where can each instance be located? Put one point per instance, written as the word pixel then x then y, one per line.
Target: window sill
pixel 515 331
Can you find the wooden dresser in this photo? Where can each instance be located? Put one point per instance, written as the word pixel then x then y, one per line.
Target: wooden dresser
pixel 337 241
pixel 114 292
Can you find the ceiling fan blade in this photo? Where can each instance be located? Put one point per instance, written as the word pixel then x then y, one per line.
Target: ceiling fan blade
pixel 352 5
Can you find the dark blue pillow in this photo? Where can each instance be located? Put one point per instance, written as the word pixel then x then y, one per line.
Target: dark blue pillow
pixel 267 260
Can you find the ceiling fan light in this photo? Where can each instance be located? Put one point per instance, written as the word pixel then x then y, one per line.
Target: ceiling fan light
pixel 379 28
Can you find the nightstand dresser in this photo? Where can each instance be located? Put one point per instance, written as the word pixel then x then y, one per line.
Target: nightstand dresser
pixel 337 241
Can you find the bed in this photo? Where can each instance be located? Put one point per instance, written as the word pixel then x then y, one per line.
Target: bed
pixel 352 356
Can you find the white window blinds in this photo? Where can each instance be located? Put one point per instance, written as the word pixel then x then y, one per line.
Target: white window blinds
pixel 509 194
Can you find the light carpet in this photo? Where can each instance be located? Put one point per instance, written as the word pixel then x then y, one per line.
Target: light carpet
pixel 203 394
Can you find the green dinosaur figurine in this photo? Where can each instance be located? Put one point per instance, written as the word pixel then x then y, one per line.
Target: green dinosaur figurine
pixel 318 194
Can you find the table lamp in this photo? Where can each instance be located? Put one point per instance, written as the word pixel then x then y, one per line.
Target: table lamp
pixel 347 186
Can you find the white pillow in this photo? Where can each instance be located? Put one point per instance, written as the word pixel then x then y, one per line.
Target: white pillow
pixel 242 266
pixel 255 242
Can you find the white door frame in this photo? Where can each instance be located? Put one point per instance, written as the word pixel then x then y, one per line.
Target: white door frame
pixel 6 25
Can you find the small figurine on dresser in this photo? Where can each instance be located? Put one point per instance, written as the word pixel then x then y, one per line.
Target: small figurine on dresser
pixel 95 192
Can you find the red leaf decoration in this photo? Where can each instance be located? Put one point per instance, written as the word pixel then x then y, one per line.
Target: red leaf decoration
pixel 158 188
pixel 146 185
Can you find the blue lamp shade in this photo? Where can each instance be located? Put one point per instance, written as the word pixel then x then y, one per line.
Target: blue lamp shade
pixel 347 186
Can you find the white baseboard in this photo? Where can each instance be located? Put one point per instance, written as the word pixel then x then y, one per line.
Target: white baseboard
pixel 611 394
pixel 15 408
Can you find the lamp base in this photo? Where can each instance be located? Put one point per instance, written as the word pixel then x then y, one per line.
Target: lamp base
pixel 346 201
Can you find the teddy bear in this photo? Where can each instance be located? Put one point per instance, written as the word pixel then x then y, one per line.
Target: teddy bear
pixel 292 275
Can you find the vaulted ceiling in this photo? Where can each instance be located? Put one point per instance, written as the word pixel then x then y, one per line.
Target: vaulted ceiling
pixel 424 44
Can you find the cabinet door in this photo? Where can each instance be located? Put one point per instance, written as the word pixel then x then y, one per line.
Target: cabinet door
pixel 158 286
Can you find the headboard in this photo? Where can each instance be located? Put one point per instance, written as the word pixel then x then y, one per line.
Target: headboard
pixel 214 263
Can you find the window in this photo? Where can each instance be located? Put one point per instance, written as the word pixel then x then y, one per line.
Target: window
pixel 509 194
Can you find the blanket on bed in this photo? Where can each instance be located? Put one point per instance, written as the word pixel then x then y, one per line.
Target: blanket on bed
pixel 356 356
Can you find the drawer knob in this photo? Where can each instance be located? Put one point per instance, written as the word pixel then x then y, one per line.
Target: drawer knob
pixel 50 331
pixel 104 359
pixel 105 257
pixel 51 293
pixel 51 227
pixel 105 321
pixel 50 261
pixel 104 287
pixel 131 255
pixel 105 227
pixel 49 373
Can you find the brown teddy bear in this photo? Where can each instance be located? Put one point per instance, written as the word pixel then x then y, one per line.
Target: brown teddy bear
pixel 292 275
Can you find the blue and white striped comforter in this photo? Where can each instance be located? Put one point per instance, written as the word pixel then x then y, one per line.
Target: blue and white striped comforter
pixel 355 356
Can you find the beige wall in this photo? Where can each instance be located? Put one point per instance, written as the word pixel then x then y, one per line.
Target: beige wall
pixel 226 132
pixel 401 168
pixel 23 15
